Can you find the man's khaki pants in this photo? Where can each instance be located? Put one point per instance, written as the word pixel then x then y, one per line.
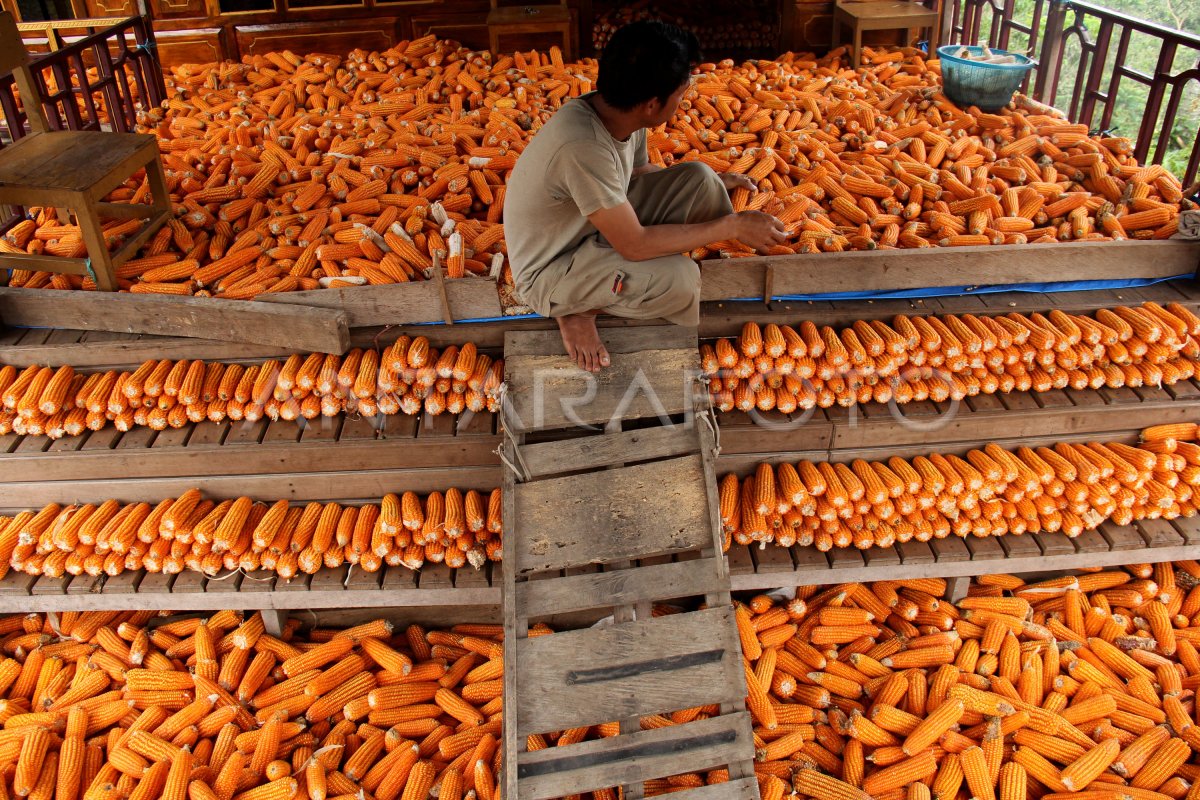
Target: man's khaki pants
pixel 666 287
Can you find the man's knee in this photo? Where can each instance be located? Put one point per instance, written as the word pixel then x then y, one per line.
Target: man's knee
pixel 710 197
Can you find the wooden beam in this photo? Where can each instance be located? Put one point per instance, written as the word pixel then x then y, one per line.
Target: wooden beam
pixel 60 264
pixel 321 330
pixel 894 270
pixel 402 303
pixel 125 210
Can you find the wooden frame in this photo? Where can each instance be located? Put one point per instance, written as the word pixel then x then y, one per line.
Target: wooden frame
pixel 769 277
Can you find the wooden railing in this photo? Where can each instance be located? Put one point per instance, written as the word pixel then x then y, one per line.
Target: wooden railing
pixel 1090 90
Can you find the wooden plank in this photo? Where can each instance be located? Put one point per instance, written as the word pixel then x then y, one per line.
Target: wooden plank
pixel 1189 528
pixel 960 266
pixel 1023 546
pixel 629 758
pixel 1121 537
pixel 951 548
pixel 845 558
pixel 319 330
pixel 435 576
pixel 881 557
pixel 156 584
pixel 617 587
pixel 985 548
pixel 249 458
pixel 644 510
pixel 469 577
pixel 395 578
pixel 45 585
pixel 809 558
pixel 257 582
pixel 361 580
pixel 1090 542
pixel 914 552
pixel 595 452
pixel 330 579
pixel 400 303
pixel 1122 396
pixel 740 562
pixel 1159 533
pixel 649 666
pixel 1054 544
pixel 1053 399
pixel 1019 401
pixel 548 391
pixel 17 583
pixel 771 559
pixel 618 341
pixel 188 582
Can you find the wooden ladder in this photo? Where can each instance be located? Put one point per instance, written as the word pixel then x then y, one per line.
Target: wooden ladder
pixel 617 519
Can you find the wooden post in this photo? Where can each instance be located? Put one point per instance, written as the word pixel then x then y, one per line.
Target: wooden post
pixel 273 621
pixel 1051 55
pixel 956 588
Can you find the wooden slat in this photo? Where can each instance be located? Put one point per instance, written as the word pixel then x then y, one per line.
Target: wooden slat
pixel 341 486
pixel 628 669
pixel 643 510
pixel 723 279
pixel 596 452
pixel 401 303
pixel 305 328
pixel 630 758
pixel 914 552
pixel 618 341
pixel 618 587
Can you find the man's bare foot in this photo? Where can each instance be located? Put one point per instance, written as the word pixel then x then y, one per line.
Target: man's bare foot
pixel 582 341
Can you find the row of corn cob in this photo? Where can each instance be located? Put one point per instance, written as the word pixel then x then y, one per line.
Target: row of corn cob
pixel 950 357
pixel 1077 687
pixel 133 706
pixel 407 377
pixel 193 533
pixel 296 172
pixel 989 492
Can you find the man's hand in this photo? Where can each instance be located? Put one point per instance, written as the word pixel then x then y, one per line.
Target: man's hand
pixel 758 230
pixel 736 180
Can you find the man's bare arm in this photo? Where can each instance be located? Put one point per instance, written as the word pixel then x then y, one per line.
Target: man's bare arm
pixel 637 242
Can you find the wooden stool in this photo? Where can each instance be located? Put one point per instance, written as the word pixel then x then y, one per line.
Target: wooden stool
pixel 511 20
pixel 883 15
pixel 75 170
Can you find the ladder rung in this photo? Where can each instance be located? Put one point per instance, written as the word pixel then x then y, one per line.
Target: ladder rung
pixel 630 669
pixel 596 452
pixel 635 757
pixel 611 515
pixel 622 587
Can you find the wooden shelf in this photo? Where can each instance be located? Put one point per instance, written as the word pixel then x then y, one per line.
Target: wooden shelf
pixel 751 569
pixel 1110 545
pixel 433 586
pixel 342 458
pixel 873 431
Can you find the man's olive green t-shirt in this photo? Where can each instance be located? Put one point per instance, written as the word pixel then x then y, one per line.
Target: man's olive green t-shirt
pixel 573 167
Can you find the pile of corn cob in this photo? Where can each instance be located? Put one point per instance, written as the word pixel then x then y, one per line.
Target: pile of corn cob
pixel 950 357
pixel 880 691
pixel 1073 687
pixel 407 377
pixel 297 172
pixel 992 492
pixel 193 533
pixel 129 705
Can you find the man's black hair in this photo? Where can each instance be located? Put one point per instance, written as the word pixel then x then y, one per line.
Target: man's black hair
pixel 644 60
